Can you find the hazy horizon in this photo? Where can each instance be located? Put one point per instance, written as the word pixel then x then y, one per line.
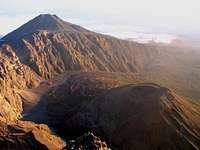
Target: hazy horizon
pixel 157 20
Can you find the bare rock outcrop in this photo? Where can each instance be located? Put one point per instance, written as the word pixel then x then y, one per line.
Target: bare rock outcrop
pixel 27 135
pixel 86 141
pixel 13 76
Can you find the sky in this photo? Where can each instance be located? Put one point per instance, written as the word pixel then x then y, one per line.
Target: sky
pixel 134 19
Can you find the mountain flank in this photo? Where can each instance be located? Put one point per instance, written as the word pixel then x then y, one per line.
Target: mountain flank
pixel 58 79
pixel 43 22
pixel 53 48
pixel 133 116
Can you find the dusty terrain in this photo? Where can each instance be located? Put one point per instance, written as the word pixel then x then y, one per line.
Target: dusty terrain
pixel 75 80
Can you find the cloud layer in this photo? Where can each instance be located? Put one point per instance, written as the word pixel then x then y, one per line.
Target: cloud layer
pixel 122 18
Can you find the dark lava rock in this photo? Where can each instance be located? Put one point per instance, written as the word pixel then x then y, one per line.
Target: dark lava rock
pixel 86 142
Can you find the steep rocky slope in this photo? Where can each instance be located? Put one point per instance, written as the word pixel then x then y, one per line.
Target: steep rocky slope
pixel 124 115
pixel 49 45
pixel 13 76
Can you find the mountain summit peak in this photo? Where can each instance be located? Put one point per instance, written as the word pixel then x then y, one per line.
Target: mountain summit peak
pixel 43 17
pixel 47 22
pixel 47 15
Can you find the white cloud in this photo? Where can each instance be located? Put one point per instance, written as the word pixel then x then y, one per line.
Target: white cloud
pixel 120 17
pixel 136 33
